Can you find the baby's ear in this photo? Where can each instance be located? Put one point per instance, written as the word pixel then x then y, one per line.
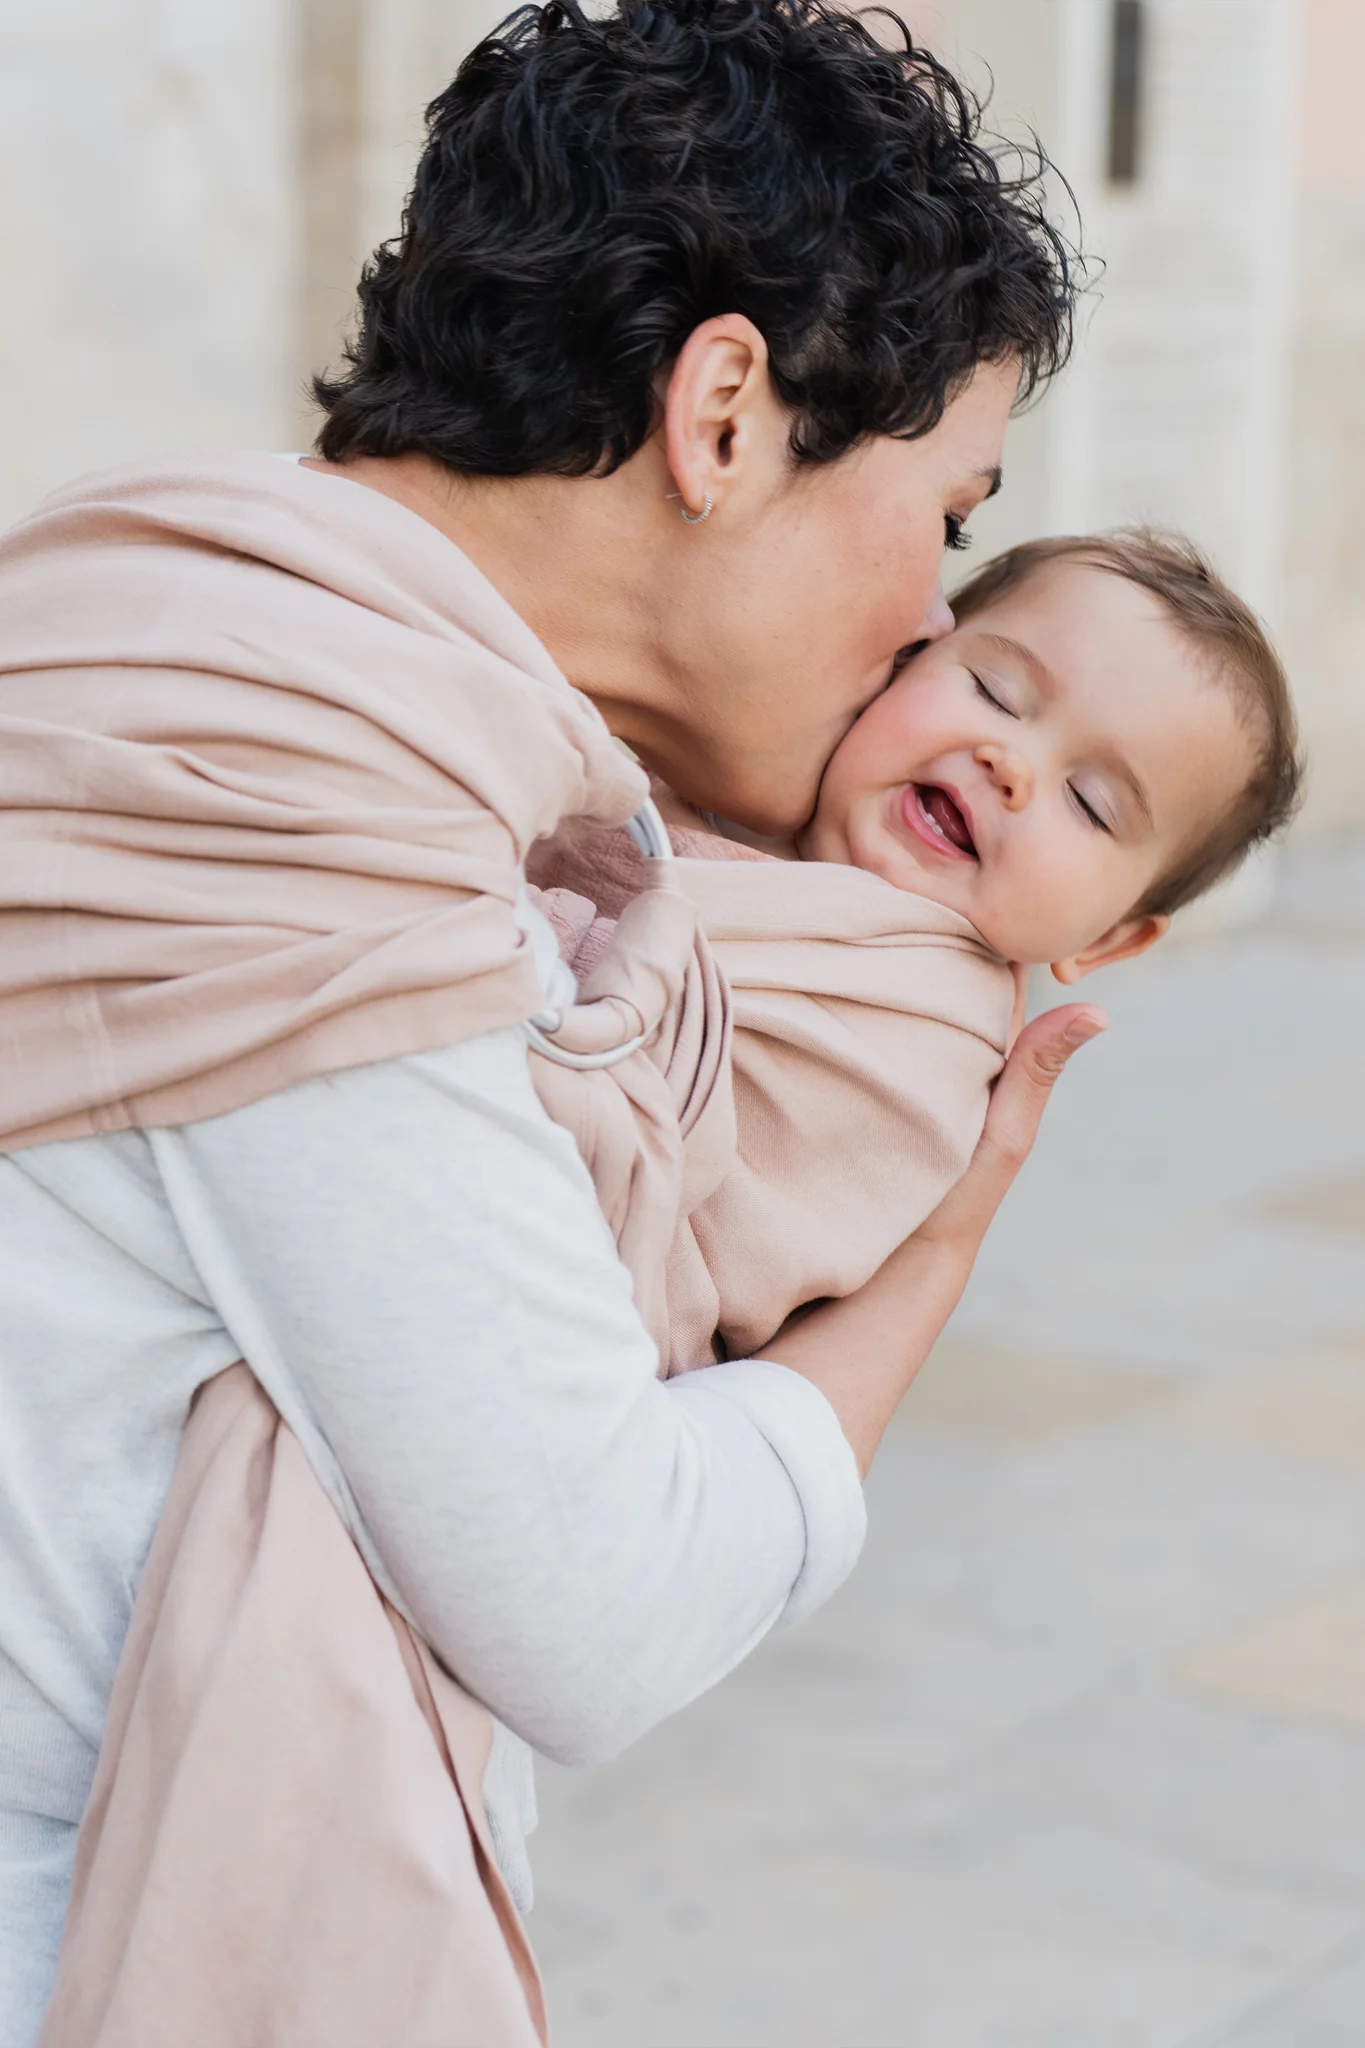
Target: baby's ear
pixel 1123 941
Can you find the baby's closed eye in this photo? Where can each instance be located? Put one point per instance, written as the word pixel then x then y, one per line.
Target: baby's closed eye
pixel 983 689
pixel 1088 810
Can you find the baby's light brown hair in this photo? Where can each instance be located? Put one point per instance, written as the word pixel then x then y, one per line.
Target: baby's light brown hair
pixel 1239 653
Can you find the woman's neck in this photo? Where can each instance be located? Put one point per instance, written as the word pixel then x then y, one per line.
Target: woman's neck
pixel 572 556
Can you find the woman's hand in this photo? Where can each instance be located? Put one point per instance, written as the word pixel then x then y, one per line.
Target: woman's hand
pixel 864 1351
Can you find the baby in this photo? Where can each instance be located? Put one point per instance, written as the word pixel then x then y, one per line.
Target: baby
pixel 1103 736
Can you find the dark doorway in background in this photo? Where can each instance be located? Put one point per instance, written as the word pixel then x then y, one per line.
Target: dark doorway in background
pixel 1127 57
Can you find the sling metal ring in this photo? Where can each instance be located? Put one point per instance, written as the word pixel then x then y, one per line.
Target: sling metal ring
pixel 650 834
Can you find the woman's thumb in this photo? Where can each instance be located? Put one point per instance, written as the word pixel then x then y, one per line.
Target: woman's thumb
pixel 1040 1053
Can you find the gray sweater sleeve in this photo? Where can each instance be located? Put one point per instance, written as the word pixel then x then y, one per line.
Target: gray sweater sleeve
pixel 412 1261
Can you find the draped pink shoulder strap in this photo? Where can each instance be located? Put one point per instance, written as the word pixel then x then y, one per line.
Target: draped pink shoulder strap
pixel 272 752
pixel 285 1842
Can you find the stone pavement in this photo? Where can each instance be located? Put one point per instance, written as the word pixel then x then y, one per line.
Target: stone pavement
pixel 1077 1759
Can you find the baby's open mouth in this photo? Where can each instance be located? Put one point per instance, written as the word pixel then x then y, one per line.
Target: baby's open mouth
pixel 938 818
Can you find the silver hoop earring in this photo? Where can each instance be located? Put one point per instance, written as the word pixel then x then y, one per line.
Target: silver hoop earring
pixel 695 518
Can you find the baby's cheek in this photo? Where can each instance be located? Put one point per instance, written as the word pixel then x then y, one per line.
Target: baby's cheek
pixel 1056 900
pixel 1024 895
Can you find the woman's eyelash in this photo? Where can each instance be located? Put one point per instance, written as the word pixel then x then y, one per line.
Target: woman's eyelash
pixel 954 535
pixel 1089 809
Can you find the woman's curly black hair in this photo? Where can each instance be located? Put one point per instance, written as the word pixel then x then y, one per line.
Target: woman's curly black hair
pixel 593 189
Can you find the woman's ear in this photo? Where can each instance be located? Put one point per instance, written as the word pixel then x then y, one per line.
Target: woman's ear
pixel 1123 941
pixel 720 409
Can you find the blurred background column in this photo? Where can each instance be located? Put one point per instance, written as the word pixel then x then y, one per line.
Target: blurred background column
pixel 148 231
pixel 1174 121
pixel 1325 537
pixel 369 69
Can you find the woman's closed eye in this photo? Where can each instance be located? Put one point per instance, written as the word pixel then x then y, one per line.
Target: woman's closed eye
pixel 955 536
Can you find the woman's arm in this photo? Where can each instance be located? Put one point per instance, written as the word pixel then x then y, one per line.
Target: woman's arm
pixel 863 1352
pixel 412 1261
pixel 411 1258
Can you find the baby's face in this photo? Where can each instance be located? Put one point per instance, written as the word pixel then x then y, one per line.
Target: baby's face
pixel 1040 768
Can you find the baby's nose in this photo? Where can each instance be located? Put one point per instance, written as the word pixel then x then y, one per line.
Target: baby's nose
pixel 1010 772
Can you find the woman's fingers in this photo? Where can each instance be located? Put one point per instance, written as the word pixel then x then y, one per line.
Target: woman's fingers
pixel 1021 1094
pixel 1017 1103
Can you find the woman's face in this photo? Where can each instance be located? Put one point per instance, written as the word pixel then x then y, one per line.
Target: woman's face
pixel 785 610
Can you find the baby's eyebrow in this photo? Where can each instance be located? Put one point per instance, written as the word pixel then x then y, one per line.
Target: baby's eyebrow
pixel 1015 650
pixel 1111 758
pixel 1134 782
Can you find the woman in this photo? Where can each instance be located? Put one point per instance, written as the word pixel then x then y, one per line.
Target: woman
pixel 699 342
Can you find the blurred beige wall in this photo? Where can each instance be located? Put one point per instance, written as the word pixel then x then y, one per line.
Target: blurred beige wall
pixel 370 68
pixel 148 229
pixel 1325 524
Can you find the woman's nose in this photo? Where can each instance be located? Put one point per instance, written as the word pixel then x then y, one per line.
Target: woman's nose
pixel 1010 773
pixel 938 621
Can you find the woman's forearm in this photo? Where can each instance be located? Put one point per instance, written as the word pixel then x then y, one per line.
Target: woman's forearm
pixel 864 1352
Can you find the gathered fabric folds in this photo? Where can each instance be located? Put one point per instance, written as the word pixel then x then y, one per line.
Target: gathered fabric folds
pixel 272 752
pixel 822 1051
pixel 285 1845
